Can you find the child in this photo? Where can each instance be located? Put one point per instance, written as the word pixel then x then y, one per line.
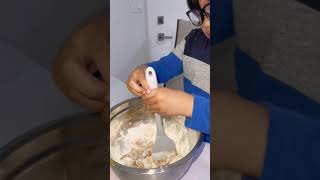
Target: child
pixel 190 57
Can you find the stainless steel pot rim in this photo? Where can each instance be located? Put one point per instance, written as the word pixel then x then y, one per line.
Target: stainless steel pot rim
pixel 153 170
pixel 36 132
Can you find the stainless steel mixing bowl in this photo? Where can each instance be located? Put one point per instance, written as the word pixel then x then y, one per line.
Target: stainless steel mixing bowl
pixel 173 171
pixel 72 148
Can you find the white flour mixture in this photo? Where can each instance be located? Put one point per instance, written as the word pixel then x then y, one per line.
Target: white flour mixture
pixel 133 148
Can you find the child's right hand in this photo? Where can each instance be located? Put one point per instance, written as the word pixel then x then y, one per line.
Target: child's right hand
pixel 137 83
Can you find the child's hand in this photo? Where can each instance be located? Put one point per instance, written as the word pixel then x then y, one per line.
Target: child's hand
pixel 85 52
pixel 169 102
pixel 137 83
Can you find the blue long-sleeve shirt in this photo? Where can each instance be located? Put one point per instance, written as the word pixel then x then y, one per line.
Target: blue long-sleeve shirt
pixel 191 57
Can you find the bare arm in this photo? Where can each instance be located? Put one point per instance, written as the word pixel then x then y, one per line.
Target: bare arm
pixel 239 134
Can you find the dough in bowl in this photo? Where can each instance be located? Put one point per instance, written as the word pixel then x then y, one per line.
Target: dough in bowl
pixel 132 146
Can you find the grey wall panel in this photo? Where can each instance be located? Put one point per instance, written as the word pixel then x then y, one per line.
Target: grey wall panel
pixel 38 27
pixel 223 68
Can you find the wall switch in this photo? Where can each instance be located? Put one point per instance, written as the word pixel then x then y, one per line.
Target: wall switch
pixel 160 20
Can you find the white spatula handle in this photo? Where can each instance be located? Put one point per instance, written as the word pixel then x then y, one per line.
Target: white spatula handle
pixel 151 78
pixel 152 81
pixel 159 124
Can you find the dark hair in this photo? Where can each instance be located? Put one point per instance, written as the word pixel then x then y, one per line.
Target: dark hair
pixel 193 4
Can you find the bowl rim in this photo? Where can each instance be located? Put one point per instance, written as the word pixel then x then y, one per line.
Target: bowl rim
pixel 115 164
pixel 26 137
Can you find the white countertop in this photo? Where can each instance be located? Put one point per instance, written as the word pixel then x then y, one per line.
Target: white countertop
pixel 118 91
pixel 200 169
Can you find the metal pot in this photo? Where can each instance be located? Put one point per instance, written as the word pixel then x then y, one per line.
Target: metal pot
pixel 173 171
pixel 68 149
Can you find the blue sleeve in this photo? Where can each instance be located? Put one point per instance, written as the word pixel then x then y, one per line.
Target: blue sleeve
pixel 293 147
pixel 222 21
pixel 200 119
pixel 167 67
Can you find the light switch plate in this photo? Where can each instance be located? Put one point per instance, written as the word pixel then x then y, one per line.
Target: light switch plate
pixel 160 20
pixel 136 6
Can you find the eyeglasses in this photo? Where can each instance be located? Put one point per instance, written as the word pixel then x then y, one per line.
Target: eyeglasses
pixel 197 16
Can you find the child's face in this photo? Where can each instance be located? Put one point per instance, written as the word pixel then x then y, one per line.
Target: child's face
pixel 206 23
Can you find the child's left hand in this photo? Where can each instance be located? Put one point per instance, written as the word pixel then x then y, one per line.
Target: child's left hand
pixel 169 102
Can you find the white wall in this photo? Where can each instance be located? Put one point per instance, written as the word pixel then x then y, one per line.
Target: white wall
pixel 128 38
pixel 133 36
pixel 171 10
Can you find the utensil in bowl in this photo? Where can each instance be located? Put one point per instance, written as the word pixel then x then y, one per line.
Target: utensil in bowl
pixel 163 145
